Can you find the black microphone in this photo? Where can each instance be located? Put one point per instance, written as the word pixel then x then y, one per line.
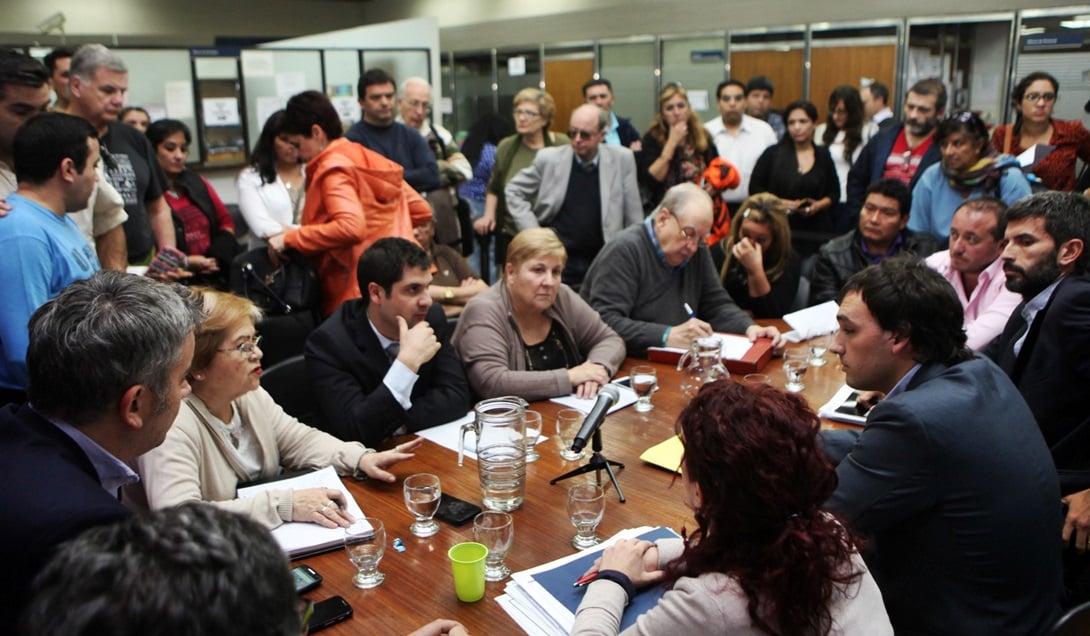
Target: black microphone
pixel 607 397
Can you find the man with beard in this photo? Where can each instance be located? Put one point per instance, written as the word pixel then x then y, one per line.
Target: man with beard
pixel 901 151
pixel 1045 348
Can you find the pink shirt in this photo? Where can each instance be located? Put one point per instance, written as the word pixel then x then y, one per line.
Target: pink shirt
pixel 989 306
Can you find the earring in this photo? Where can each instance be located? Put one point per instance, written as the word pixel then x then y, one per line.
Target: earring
pixel 198 377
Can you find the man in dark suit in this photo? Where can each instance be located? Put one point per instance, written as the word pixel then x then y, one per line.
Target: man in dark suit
pixel 950 478
pixel 383 365
pixel 107 361
pixel 1045 347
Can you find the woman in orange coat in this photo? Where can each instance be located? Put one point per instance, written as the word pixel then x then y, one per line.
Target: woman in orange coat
pixel 354 197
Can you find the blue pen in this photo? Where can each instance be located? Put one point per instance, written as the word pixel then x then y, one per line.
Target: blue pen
pixel 689 310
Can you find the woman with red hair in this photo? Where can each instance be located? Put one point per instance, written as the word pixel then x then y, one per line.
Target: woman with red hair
pixel 764 558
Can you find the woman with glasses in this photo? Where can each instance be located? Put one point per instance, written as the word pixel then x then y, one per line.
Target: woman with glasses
pixel 970 168
pixel 1033 98
pixel 675 150
pixel 531 336
pixel 803 175
pixel 761 271
pixel 230 431
pixel 765 558
pixel 534 110
pixel 845 132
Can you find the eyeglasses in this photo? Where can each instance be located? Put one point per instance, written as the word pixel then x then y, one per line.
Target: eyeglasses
pixel 246 348
pixel 416 103
pixel 687 233
pixel 585 135
pixel 528 114
pixel 1048 97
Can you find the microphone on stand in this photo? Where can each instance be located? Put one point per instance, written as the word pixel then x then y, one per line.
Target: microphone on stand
pixel 607 397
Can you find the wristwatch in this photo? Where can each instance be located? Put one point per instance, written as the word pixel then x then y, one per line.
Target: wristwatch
pixel 448 293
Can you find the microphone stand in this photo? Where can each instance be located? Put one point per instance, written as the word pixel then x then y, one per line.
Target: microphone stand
pixel 597 462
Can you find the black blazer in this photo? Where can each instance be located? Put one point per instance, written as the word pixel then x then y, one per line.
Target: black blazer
pixel 1053 375
pixel 50 493
pixel 346 365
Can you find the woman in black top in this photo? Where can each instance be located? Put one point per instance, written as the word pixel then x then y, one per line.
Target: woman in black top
pixel 761 271
pixel 803 176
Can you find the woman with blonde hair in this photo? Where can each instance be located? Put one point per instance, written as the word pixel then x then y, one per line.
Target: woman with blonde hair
pixel 532 336
pixel 761 271
pixel 533 112
pixel 230 431
pixel 675 150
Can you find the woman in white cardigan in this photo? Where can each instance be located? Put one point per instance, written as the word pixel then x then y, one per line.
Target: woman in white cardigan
pixel 230 431
pixel 270 191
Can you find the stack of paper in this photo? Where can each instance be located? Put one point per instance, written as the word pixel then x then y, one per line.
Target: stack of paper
pixel 812 321
pixel 543 601
pixel 300 539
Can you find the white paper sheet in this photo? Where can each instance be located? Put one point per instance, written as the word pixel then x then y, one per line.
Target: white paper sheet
pixel 298 538
pixel 447 435
pixel 842 398
pixel 812 321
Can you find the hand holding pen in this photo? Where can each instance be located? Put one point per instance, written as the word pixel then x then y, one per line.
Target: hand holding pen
pixel 681 335
pixel 636 558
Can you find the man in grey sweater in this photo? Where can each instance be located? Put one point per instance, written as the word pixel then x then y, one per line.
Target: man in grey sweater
pixel 655 284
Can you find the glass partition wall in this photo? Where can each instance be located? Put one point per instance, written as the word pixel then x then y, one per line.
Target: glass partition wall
pixel 979 57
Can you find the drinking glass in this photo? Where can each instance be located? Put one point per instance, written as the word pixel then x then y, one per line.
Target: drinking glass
pixel 568 423
pixel 586 505
pixel 795 363
pixel 755 379
pixel 818 346
pixel 365 543
pixel 496 531
pixel 533 431
pixel 644 380
pixel 422 494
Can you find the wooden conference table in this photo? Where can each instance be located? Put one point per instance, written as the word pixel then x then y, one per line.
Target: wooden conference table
pixel 419 585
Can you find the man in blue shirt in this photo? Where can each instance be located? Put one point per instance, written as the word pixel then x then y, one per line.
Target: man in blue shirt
pixel 40 247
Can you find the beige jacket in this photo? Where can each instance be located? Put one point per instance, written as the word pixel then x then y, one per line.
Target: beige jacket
pixel 193 464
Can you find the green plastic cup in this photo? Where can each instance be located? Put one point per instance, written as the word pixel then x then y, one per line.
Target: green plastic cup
pixel 467 562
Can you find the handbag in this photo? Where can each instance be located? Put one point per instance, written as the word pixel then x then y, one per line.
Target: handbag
pixel 289 287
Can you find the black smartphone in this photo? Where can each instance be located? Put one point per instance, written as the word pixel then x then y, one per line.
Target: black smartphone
pixel 327 612
pixel 306 579
pixel 456 511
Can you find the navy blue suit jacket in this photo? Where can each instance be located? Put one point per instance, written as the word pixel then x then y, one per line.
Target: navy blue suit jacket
pixel 50 493
pixel 955 488
pixel 1053 375
pixel 346 364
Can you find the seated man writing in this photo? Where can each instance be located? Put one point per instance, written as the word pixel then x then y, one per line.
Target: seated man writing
pixel 655 284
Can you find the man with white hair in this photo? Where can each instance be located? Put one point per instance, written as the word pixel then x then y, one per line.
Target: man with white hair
pixel 415 108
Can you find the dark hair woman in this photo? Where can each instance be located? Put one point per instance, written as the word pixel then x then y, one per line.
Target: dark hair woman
pixel 845 132
pixel 355 196
pixel 1033 98
pixel 803 175
pixel 270 190
pixel 970 168
pixel 764 558
pixel 203 228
